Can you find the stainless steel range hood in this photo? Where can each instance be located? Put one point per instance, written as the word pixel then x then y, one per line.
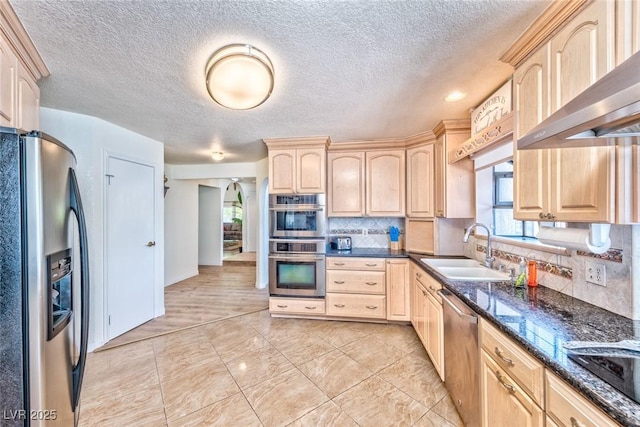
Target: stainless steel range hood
pixel 610 108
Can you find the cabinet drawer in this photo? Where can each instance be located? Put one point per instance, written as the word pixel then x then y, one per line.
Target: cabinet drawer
pixel 352 305
pixel 429 283
pixel 349 263
pixel 296 306
pixel 567 408
pixel 359 282
pixel 520 365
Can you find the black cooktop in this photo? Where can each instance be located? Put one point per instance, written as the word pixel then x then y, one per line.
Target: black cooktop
pixel 620 371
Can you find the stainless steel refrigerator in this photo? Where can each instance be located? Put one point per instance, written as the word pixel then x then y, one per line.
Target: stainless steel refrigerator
pixel 44 282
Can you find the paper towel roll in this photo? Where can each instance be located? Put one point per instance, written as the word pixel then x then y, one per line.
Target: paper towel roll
pixel 572 238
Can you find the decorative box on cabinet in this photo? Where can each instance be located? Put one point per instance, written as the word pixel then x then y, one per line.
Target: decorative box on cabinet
pixel 297 165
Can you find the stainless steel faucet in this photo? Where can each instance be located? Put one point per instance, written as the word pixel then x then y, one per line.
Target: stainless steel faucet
pixel 488 260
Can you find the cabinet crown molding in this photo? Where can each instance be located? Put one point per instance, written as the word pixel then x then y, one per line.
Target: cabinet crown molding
pixel 20 42
pixel 427 137
pixel 452 126
pixel 547 24
pixel 299 142
pixel 368 145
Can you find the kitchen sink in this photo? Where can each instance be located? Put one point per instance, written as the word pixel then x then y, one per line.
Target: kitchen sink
pixel 464 269
pixel 450 262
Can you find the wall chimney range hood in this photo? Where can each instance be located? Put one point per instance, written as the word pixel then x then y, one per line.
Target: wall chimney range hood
pixel 610 108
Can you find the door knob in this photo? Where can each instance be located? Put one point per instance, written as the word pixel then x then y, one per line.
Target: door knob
pixel 151 244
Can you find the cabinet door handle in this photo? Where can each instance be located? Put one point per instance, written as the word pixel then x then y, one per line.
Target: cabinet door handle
pixel 371 265
pixel 550 216
pixel 371 307
pixel 424 293
pixel 371 283
pixel 576 423
pixel 282 306
pixel 541 215
pixel 338 263
pixel 432 288
pixel 511 389
pixel 308 307
pixel 338 282
pixel 500 354
pixel 339 305
pixel 418 275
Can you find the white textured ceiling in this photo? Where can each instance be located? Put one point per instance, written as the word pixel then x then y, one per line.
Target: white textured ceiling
pixel 352 70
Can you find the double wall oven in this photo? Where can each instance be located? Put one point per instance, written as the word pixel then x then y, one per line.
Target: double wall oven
pixel 297 245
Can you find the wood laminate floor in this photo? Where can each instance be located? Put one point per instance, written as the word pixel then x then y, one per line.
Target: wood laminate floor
pixel 254 370
pixel 214 294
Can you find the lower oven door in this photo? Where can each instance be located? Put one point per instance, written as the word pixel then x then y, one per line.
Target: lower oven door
pixel 297 275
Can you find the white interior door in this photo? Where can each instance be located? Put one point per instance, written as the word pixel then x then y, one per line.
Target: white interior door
pixel 130 243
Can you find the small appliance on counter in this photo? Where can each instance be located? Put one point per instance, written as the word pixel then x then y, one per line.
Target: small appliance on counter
pixel 341 243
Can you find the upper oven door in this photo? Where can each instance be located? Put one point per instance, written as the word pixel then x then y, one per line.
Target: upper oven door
pixel 292 221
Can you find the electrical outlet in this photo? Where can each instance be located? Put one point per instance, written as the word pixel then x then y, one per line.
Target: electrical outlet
pixel 596 273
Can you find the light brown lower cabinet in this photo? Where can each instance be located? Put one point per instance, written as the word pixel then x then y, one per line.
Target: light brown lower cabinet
pixel 504 403
pixel 397 278
pixel 308 306
pixel 356 305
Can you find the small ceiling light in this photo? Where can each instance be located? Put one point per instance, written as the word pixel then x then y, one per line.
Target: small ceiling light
pixel 455 96
pixel 217 155
pixel 239 77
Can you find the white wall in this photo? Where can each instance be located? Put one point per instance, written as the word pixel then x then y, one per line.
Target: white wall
pixel 210 203
pixel 91 140
pixel 180 231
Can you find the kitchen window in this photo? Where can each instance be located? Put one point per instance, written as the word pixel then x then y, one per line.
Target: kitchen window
pixel 503 222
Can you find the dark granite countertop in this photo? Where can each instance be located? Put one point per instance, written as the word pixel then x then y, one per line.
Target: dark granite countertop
pixel 542 320
pixel 368 252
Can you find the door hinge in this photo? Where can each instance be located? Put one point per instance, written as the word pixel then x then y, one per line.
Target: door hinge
pixel 109 176
pixel 109 319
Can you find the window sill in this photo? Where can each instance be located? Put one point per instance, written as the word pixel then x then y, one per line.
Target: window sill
pixel 528 243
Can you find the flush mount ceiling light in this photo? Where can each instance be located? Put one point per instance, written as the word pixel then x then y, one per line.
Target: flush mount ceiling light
pixel 455 96
pixel 217 155
pixel 239 77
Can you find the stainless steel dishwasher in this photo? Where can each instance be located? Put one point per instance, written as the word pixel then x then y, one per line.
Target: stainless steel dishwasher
pixel 461 357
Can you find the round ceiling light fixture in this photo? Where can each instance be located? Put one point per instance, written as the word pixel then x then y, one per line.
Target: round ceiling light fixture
pixel 454 96
pixel 239 76
pixel 217 155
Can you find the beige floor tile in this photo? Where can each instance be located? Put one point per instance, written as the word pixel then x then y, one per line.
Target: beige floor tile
pixel 122 380
pixel 142 408
pixel 119 357
pixel 374 402
pixel 447 410
pixel 231 339
pixel 335 372
pixel 284 398
pixel 417 378
pixel 304 348
pixel 342 333
pixel 326 415
pixel 232 411
pixel 431 419
pixel 403 337
pixel 372 353
pixel 257 366
pixel 196 387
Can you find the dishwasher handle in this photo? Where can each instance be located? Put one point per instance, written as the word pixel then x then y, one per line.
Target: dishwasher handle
pixel 468 317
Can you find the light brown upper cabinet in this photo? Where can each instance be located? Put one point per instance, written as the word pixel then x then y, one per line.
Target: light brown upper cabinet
pixel 568 184
pixel 20 68
pixel 366 183
pixel 297 165
pixel 420 186
pixel 454 183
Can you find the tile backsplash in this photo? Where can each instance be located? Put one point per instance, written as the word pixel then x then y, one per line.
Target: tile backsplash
pixel 366 232
pixel 566 273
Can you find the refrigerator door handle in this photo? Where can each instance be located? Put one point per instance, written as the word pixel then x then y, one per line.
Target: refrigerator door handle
pixel 78 370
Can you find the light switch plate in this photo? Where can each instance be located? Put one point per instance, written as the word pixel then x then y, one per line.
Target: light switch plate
pixel 596 273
